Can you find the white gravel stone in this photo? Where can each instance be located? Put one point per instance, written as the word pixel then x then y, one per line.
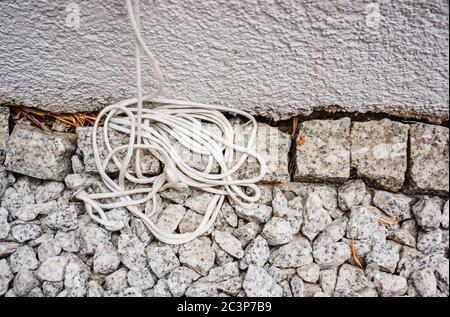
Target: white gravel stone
pixel 327 280
pixel 161 289
pixel 385 255
pixel 199 201
pixel 49 248
pixel 4 131
pixel 389 285
pixel 256 253
pixel 24 258
pixel 4 225
pixel 289 211
pixel 180 279
pixel 23 232
pixel 395 205
pixel 362 223
pixel 332 233
pixel 258 283
pixel 424 282
pixel 323 150
pixel 76 279
pixel 229 243
pixel 69 241
pixel 116 281
pixel 48 191
pixel 6 276
pixel 428 212
pixel 141 278
pixel 315 217
pixel 445 217
pixel 52 269
pixel 351 194
pixel 295 254
pixel 277 231
pixel 64 219
pixel 132 251
pixel 30 212
pixel 106 258
pixel 246 233
pixel 309 272
pixel 91 235
pixel 198 255
pixel 331 255
pixel 310 289
pixel 191 220
pixel 351 278
pixel 259 213
pixel 379 152
pixel 428 241
pixel 24 282
pixel 161 259
pixel 170 217
pixel 297 286
pixel 94 289
pixel 39 154
pixel 429 158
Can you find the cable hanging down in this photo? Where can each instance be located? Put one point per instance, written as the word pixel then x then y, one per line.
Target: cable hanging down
pixel 149 130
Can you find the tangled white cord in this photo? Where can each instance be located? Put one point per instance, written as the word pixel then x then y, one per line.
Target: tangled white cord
pixel 149 130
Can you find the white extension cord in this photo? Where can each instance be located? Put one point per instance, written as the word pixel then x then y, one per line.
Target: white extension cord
pixel 149 130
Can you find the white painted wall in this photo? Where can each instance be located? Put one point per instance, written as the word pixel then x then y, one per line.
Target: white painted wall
pixel 271 57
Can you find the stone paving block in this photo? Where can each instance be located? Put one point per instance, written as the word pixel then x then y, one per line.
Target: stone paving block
pixel 4 131
pixel 323 151
pixel 39 154
pixel 150 165
pixel 429 159
pixel 272 144
pixel 379 152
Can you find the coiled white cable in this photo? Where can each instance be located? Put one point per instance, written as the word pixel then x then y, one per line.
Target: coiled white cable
pixel 149 130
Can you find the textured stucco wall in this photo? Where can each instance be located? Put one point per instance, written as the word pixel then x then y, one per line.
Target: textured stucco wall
pixel 271 57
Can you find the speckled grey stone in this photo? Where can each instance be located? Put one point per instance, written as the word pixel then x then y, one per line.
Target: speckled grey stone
pixel 48 248
pixel 23 232
pixel 258 283
pixel 24 258
pixel 30 212
pixel 259 213
pixel 5 276
pixel 132 251
pixel 161 289
pixel 395 205
pixel 327 280
pixel 141 278
pixel 295 254
pixel 331 255
pixel 180 279
pixel 52 269
pixel 424 282
pixel 6 179
pixel 39 154
pixel 106 258
pixel 63 219
pixel 191 220
pixel 309 272
pixel 256 253
pixel 116 281
pixel 323 150
pixel 272 144
pixel 315 217
pixel 161 260
pixel 4 131
pixel 277 231
pixel 76 278
pixel 332 233
pixel 379 152
pixel 389 285
pixel 385 256
pixel 351 194
pixel 198 255
pixel 429 240
pixel 48 191
pixel 291 211
pixel 24 282
pixel 429 158
pixel 4 225
pixel 91 235
pixel 445 217
pixel 170 217
pixel 69 241
pixel 94 289
pixel 228 243
pixel 297 286
pixel 247 232
pixel 149 164
pixel 428 212
pixel 362 223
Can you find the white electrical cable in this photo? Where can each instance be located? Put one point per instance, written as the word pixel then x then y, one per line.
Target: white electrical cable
pixel 149 131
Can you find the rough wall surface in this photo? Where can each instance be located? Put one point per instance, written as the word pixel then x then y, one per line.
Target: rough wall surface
pixel 271 57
